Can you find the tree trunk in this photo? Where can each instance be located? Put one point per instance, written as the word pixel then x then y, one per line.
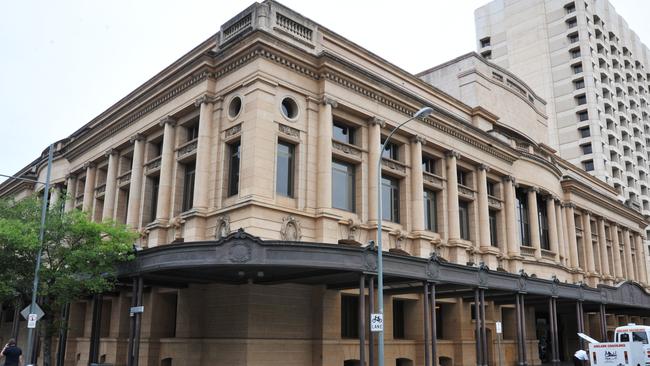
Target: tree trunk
pixel 48 330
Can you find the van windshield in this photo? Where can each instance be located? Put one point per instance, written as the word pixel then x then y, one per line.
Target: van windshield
pixel 640 337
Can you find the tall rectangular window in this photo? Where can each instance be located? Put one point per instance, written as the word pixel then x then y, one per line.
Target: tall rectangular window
pixel 390 199
pixel 349 316
pixel 428 164
pixel 399 319
pixel 155 185
pixel 188 186
pixel 343 187
pixel 430 210
pixel 192 131
pixel 523 227
pixel 234 156
pixel 463 216
pixel 493 228
pixel 284 176
pixel 391 151
pixel 542 216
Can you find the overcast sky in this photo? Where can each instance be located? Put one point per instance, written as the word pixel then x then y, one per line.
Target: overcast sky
pixel 64 62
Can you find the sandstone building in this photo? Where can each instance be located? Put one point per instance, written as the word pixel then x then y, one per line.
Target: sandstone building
pixel 248 166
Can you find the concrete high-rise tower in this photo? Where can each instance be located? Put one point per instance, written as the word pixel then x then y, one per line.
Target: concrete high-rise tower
pixel 592 70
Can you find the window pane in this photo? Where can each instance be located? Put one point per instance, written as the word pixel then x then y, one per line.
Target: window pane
pixel 522 217
pixel 343 133
pixel 284 174
pixel 430 207
pixel 390 199
pixel 233 168
pixel 493 229
pixel 349 317
pixel 188 186
pixel 463 213
pixel 343 186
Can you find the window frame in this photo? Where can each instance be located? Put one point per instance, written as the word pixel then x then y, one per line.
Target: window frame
pixel 350 179
pixel 234 165
pixel 189 177
pixel 393 198
pixel 290 155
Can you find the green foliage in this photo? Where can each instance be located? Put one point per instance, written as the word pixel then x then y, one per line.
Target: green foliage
pixel 79 256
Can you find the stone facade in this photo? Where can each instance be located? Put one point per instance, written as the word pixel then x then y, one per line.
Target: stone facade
pixel 274 126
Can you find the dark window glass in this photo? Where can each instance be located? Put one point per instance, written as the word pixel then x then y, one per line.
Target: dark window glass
pixel 624 337
pixel 493 228
pixel 155 185
pixel 192 132
pixel 583 116
pixel 285 174
pixel 588 165
pixel 391 151
pixel 398 318
pixel 188 186
pixel 586 149
pixel 577 68
pixel 463 215
pixel 584 132
pixel 491 189
pixel 430 210
pixel 640 337
pixel 343 187
pixel 575 53
pixel 579 84
pixel 349 316
pixel 523 227
pixel 390 199
pixel 343 133
pixel 234 155
pixel 461 176
pixel 542 216
pixel 429 164
pixel 581 99
pixel 158 148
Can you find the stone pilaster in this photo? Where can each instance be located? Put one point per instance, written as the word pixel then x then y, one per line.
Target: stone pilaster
pixel 452 195
pixel 111 184
pixel 587 243
pixel 483 207
pixel 553 228
pixel 533 220
pixel 324 146
pixel 374 144
pixel 627 249
pixel 640 259
pixel 203 153
pixel 562 233
pixel 166 169
pixel 511 219
pixel 89 187
pixel 417 184
pixel 602 243
pixel 137 175
pixel 571 233
pixel 616 252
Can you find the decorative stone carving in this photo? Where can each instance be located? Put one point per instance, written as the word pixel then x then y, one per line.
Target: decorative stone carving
pixel 290 131
pixel 110 152
pixel 467 192
pixel 400 238
pixel 89 164
pixel 433 179
pixel 377 121
pixel 452 154
pixel 509 178
pixel 346 149
pixel 205 98
pixel 187 149
pixel 232 131
pixel 222 228
pixel 484 167
pixel 240 252
pixel 177 225
pixel 154 164
pixel 124 179
pixel 419 138
pixel 290 229
pixel 167 120
pixel 393 165
pixel 331 102
pixel 494 202
pixel 136 137
pixel 353 229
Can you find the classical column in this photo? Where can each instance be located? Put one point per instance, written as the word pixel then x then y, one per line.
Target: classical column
pixel 111 184
pixel 89 187
pixel 452 195
pixel 434 327
pixel 427 323
pixel 374 144
pixel 627 248
pixel 553 227
pixel 616 251
pixel 483 207
pixel 417 188
pixel 571 233
pixel 55 196
pixel 362 319
pixel 640 259
pixel 135 188
pixel 324 146
pixel 95 329
pixel 511 220
pixel 587 243
pixel 203 153
pixel 133 350
pixel 533 220
pixel 562 232
pixel 166 169
pixel 477 328
pixel 71 192
pixel 602 242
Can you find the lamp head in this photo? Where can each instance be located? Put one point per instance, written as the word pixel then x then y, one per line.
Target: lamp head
pixel 423 112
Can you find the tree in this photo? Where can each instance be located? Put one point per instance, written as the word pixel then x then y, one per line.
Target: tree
pixel 79 257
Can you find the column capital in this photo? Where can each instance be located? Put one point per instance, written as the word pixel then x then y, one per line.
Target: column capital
pixel 110 152
pixel 419 138
pixel 204 99
pixel 509 178
pixel 532 189
pixel 137 137
pixel 332 102
pixel 587 213
pixel 70 176
pixel 377 121
pixel 452 153
pixel 167 120
pixel 89 164
pixel 484 167
pixel 568 205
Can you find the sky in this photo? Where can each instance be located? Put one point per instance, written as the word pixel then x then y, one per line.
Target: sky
pixel 64 62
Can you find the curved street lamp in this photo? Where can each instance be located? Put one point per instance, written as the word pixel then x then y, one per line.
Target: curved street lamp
pixel 423 112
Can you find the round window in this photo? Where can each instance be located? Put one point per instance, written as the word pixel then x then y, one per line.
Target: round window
pixel 235 107
pixel 289 108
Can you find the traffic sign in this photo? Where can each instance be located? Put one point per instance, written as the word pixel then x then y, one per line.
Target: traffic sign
pixel 377 322
pixel 31 320
pixel 37 310
pixel 136 310
pixel 498 326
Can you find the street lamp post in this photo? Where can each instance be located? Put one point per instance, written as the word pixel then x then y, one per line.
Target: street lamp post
pixel 423 112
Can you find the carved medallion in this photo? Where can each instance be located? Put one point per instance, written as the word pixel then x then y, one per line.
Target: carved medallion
pixel 290 229
pixel 223 227
pixel 239 252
